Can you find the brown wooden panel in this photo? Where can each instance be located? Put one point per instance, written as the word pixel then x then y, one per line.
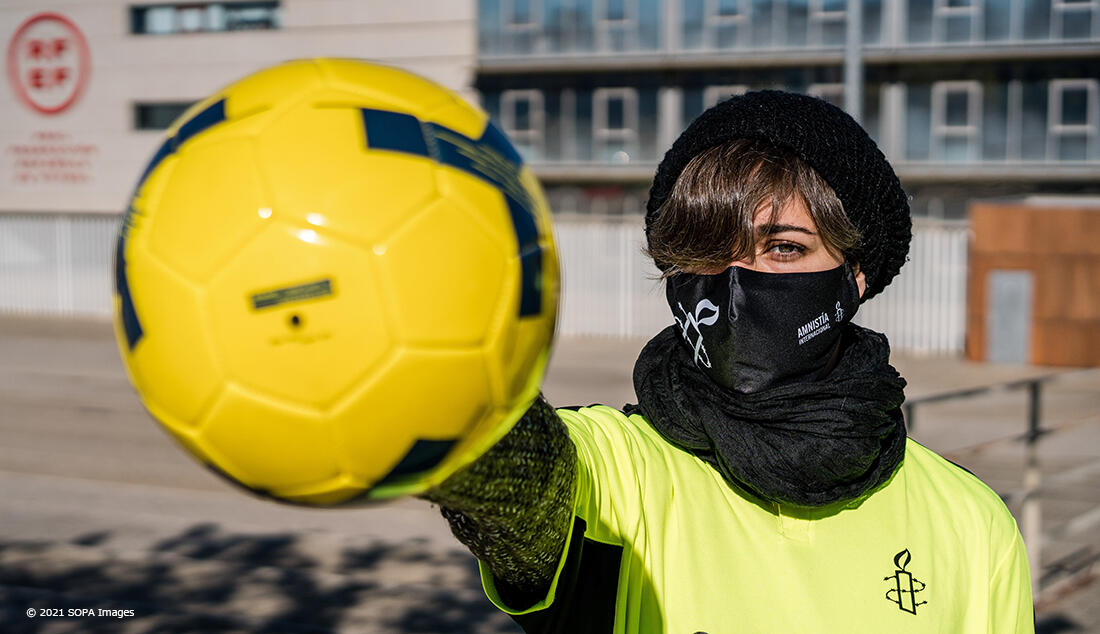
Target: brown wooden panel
pixel 1061 247
pixel 1065 343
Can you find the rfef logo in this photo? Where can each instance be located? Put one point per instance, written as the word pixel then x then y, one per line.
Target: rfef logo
pixel 48 62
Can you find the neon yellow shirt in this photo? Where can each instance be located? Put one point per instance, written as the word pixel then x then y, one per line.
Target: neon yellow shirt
pixel 662 543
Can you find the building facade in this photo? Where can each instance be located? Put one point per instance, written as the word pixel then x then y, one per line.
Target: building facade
pixel 91 84
pixel 968 98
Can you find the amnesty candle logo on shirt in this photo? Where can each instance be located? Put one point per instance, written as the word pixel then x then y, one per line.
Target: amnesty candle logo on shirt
pixel 906 586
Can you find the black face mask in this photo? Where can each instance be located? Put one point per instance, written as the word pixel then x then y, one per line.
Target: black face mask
pixel 750 331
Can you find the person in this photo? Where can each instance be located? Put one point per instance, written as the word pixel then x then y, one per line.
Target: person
pixel 764 481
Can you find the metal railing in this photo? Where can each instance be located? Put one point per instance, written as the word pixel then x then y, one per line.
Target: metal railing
pixel 1081 564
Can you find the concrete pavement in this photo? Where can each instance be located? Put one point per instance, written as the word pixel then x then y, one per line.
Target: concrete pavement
pixel 100 510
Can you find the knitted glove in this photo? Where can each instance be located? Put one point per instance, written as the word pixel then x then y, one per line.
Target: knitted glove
pixel 513 507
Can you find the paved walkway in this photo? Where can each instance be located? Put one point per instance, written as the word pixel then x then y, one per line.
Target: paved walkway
pixel 100 510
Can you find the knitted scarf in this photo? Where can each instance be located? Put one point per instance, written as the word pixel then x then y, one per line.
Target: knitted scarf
pixel 805 444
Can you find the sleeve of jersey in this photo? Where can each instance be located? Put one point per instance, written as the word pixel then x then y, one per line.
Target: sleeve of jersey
pixel 608 496
pixel 1011 603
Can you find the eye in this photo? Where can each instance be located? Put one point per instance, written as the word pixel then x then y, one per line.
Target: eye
pixel 784 250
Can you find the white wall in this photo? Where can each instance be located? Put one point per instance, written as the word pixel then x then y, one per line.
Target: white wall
pixel 435 38
pixel 60 264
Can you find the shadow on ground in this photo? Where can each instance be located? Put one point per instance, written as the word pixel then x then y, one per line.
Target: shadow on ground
pixel 208 580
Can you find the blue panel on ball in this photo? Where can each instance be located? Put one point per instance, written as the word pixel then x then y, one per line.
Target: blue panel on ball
pixel 208 117
pixel 394 131
pixel 491 158
pixel 425 455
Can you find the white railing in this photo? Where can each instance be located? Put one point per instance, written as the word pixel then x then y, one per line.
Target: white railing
pixel 56 264
pixel 60 264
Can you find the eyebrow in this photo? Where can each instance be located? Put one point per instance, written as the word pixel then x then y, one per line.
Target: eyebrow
pixel 769 230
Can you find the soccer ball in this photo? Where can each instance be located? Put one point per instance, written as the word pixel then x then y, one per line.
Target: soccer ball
pixel 336 281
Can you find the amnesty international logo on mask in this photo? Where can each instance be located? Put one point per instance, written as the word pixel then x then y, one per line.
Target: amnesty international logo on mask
pixel 693 321
pixel 906 587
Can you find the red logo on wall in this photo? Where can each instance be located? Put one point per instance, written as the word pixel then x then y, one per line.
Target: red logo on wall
pixel 48 62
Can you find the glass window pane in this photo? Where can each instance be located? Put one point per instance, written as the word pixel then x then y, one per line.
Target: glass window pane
pixel 956 149
pixel 872 21
pixel 725 35
pixel 522 115
pixel 958 3
pixel 957 28
pixel 1076 25
pixel 1073 147
pixel 616 151
pixel 488 26
pixel 693 105
pixel 997 15
pixel 215 17
pixel 1033 141
pixel 872 109
pixel 956 109
pixel 920 20
pixel 582 129
pixel 616 9
pixel 552 143
pixel 160 19
pixel 649 24
pixel 191 19
pixel 490 102
pixel 994 121
pixel 157 116
pixel 521 12
pixel 243 17
pixel 729 7
pixel 1075 103
pixel 834 32
pixel 647 124
pixel 832 6
pixel 797 22
pixel 917 121
pixel 1036 19
pixel 616 113
pixel 763 17
pixel 692 15
pixel 585 25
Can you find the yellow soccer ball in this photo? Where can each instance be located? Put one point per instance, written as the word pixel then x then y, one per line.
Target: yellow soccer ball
pixel 336 281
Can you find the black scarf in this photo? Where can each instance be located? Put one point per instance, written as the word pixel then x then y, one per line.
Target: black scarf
pixel 806 444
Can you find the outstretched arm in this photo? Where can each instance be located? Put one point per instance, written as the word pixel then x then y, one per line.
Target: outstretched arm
pixel 513 507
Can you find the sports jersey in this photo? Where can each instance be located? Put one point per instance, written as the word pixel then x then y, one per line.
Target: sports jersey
pixel 662 543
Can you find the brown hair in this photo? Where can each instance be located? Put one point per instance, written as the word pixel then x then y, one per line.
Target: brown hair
pixel 707 220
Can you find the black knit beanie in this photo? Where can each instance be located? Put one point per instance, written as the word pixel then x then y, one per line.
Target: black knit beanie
pixel 830 142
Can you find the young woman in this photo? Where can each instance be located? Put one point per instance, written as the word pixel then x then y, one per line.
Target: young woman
pixel 764 481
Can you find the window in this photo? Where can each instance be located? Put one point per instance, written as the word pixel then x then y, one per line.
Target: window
pixel 827 22
pixel 616 25
pixel 1073 19
pixel 615 124
pixel 521 25
pixel 522 116
pixel 1072 119
pixel 197 17
pixel 714 94
pixel 956 20
pixel 520 13
pixel 158 116
pixel 724 22
pixel 956 120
